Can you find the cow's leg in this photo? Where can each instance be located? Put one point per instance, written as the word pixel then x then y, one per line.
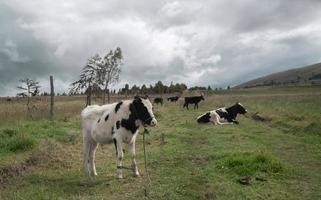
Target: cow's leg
pixel 120 155
pixel 86 149
pixel 132 152
pixel 92 152
pixel 216 120
pixel 186 105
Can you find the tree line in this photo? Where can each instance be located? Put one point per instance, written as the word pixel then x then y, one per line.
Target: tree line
pixel 99 75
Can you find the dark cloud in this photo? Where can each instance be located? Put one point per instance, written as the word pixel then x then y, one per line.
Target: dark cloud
pixel 218 43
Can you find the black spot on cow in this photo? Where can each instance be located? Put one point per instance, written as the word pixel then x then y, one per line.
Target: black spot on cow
pixel 118 124
pixel 231 112
pixel 141 111
pixel 138 111
pixel 98 120
pixel 204 118
pixel 106 118
pixel 112 130
pixel 118 106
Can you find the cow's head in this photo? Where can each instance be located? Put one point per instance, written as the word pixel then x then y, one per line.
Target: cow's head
pixel 144 111
pixel 240 108
pixel 202 97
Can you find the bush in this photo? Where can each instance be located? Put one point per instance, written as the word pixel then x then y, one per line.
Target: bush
pixel 9 132
pixel 12 141
pixel 20 143
pixel 247 164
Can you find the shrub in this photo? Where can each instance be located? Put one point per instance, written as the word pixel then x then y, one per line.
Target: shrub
pixel 20 143
pixel 247 164
pixel 9 132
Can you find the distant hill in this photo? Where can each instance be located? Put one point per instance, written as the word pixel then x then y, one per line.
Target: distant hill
pixel 310 74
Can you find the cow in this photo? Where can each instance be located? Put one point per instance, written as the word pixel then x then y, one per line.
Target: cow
pixel 116 123
pixel 158 100
pixel 217 116
pixel 173 99
pixel 193 100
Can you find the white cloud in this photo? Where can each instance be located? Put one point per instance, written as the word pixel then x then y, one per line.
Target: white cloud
pixel 196 42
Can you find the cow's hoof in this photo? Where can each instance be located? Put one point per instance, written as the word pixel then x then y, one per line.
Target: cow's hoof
pixel 136 174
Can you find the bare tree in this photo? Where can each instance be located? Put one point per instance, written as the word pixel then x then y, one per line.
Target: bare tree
pixel 30 89
pixel 88 78
pixel 109 70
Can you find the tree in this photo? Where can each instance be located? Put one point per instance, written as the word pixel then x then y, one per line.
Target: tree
pixel 159 87
pixel 88 77
pixel 143 89
pixel 109 70
pixel 30 89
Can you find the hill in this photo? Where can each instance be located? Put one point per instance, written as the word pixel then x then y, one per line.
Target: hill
pixel 310 74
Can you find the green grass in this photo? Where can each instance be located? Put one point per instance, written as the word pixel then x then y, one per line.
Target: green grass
pixel 185 160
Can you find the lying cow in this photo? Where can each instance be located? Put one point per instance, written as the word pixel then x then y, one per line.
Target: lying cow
pixel 222 114
pixel 193 100
pixel 173 99
pixel 158 100
pixel 114 123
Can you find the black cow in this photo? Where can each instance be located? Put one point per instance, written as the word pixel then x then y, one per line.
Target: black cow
pixel 222 114
pixel 173 99
pixel 193 100
pixel 158 100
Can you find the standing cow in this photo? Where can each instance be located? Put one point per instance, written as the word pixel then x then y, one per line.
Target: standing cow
pixel 116 123
pixel 158 100
pixel 173 99
pixel 193 100
pixel 217 116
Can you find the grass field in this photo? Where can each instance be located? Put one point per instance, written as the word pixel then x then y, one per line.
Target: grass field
pixel 282 155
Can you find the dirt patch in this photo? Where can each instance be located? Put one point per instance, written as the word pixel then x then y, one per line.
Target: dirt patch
pixel 260 118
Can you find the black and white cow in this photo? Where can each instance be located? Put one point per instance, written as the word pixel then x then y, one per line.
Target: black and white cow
pixel 116 123
pixel 218 116
pixel 158 100
pixel 173 99
pixel 193 100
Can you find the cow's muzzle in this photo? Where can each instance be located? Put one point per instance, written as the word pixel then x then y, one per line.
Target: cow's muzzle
pixel 153 122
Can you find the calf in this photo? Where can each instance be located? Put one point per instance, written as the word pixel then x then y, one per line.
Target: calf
pixel 173 99
pixel 193 100
pixel 158 100
pixel 222 114
pixel 114 123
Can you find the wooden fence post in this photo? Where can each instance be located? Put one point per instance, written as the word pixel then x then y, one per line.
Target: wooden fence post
pixel 52 98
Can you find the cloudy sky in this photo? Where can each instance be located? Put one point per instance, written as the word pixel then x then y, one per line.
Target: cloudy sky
pixel 210 42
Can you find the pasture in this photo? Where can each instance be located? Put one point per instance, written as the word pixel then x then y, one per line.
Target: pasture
pixel 281 156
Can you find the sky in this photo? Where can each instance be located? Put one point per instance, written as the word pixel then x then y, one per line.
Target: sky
pixel 204 42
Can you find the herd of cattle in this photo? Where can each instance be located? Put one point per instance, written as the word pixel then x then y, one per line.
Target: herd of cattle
pixel 119 122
